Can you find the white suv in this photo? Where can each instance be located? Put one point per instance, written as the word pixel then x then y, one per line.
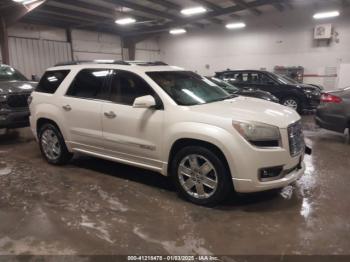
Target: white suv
pixel 171 121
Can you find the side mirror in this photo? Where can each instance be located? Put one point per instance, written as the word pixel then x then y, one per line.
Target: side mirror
pixel 270 83
pixel 144 102
pixel 35 78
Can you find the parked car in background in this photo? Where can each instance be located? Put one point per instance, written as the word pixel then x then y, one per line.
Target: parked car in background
pixel 14 92
pixel 334 111
pixel 243 91
pixel 170 121
pixel 290 93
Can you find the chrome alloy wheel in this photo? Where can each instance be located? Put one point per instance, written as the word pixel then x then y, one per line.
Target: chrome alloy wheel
pixel 198 176
pixel 291 103
pixel 50 144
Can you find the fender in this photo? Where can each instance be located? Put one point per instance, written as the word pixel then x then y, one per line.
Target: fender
pixel 203 132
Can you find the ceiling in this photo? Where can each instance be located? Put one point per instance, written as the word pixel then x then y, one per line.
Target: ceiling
pixel 154 16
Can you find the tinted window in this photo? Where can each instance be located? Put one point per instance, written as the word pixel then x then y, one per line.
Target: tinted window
pixel 89 83
pixel 188 88
pixel 51 80
pixel 8 73
pixel 127 86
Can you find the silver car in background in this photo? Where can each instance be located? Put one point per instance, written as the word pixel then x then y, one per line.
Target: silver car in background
pixel 334 111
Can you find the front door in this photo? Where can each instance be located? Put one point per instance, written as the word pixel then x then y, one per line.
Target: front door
pixel 134 134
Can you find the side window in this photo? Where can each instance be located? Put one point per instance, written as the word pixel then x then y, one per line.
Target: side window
pixel 127 86
pixel 89 84
pixel 231 77
pixel 51 80
pixel 264 79
pixel 252 78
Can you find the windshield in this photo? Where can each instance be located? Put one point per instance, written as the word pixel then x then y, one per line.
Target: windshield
pixel 284 79
pixel 8 73
pixel 226 86
pixel 188 88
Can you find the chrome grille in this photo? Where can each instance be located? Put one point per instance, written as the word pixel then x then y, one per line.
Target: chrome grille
pixel 18 100
pixel 296 138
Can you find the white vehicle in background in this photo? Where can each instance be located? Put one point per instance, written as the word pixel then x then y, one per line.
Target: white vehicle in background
pixel 171 121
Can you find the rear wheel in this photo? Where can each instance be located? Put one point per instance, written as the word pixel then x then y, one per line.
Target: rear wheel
pixel 201 176
pixel 292 102
pixel 52 145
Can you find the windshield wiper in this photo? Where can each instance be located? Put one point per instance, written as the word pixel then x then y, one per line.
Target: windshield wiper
pixel 222 98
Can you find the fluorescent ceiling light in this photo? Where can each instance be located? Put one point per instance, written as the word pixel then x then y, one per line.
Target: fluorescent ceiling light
pixel 178 31
pixel 235 25
pixel 25 2
pixel 193 10
pixel 125 21
pixel 326 15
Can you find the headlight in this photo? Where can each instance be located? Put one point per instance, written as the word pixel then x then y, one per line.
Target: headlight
pixel 258 134
pixel 3 98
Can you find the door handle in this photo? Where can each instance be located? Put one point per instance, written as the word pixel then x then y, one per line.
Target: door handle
pixel 110 114
pixel 67 108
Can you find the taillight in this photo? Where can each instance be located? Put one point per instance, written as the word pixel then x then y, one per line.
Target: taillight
pixel 328 98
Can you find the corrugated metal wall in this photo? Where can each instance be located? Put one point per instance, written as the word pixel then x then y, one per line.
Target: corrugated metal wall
pixel 34 56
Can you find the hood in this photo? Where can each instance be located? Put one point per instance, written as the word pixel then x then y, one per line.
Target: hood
pixel 17 86
pixel 251 92
pixel 250 109
pixel 308 87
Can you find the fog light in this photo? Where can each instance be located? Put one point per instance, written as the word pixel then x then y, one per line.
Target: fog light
pixel 270 173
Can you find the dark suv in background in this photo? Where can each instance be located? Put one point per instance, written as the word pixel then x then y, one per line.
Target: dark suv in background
pixel 14 92
pixel 290 93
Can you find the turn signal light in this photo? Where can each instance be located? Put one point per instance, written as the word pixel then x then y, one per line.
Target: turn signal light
pixel 328 98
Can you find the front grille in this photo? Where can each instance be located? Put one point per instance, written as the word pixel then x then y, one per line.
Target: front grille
pixel 18 100
pixel 296 138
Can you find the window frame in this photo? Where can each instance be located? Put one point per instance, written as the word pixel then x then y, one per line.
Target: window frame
pixel 52 71
pixel 104 85
pixel 159 102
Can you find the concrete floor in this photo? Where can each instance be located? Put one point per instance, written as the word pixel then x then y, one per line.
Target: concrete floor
pixel 94 206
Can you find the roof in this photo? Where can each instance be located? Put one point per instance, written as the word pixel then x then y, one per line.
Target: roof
pixel 134 66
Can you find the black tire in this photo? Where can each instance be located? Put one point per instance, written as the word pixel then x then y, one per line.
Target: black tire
pixel 296 101
pixel 224 181
pixel 64 155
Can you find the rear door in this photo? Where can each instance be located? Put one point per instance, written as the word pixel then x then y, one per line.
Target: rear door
pixel 82 106
pixel 134 134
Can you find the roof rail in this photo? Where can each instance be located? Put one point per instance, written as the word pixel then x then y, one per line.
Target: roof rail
pixel 79 62
pixel 113 62
pixel 144 63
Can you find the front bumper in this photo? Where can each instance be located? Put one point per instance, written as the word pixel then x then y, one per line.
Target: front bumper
pixel 249 186
pixel 14 119
pixel 246 165
pixel 312 103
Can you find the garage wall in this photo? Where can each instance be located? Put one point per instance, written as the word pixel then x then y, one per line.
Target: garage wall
pixel 284 38
pixel 148 50
pixel 88 45
pixel 34 48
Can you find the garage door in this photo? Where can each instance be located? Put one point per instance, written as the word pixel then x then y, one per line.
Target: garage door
pixel 33 56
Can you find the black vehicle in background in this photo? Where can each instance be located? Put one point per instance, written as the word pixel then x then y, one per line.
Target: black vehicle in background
pixel 243 91
pixel 14 92
pixel 300 97
pixel 334 111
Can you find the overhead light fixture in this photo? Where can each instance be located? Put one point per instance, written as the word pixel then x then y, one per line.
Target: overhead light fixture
pixel 235 25
pixel 324 15
pixel 25 2
pixel 193 10
pixel 125 21
pixel 178 31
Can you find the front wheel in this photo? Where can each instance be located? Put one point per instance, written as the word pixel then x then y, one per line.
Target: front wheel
pixel 52 145
pixel 292 102
pixel 201 176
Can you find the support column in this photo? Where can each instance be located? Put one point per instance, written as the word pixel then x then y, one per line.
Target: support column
pixel 4 42
pixel 130 45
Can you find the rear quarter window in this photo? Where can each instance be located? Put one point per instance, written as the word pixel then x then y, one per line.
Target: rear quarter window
pixel 51 80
